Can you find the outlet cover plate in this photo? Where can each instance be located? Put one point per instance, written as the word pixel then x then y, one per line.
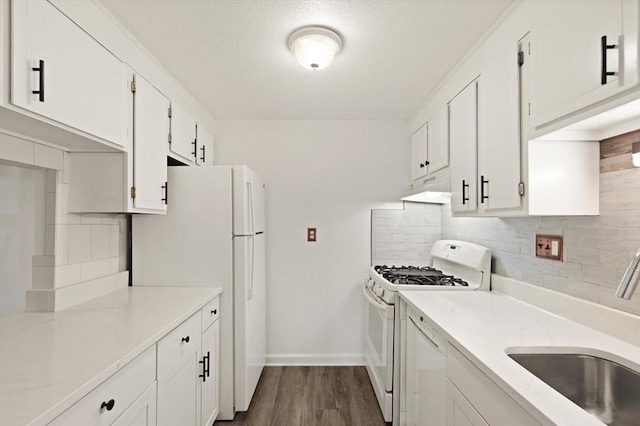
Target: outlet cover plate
pixel 549 246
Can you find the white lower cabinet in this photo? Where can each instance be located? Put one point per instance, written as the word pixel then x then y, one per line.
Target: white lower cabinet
pixel 174 382
pixel 142 412
pixel 210 382
pixel 107 402
pixel 178 392
pixel 484 397
pixel 460 412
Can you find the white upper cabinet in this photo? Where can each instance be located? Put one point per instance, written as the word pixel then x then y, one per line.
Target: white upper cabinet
pixel 183 133
pixel 205 147
pixel 438 141
pixel 419 153
pixel 151 127
pixel 499 153
pixel 430 146
pixel 572 60
pixel 463 140
pixel 60 72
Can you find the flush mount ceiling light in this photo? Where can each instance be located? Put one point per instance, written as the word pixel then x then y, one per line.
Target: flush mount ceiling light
pixel 315 47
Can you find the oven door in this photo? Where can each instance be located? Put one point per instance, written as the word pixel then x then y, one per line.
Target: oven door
pixel 380 329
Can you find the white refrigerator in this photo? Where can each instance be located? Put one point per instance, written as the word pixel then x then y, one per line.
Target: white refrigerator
pixel 214 235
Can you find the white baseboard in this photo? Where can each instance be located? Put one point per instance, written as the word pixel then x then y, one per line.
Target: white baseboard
pixel 315 359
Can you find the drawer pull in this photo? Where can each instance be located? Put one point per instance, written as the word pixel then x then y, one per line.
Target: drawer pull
pixel 108 405
pixel 185 339
pixel 214 312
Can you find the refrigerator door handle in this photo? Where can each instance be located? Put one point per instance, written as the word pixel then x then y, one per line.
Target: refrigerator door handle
pixel 251 269
pixel 250 206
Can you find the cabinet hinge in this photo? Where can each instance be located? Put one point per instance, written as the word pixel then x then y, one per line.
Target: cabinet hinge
pixel 529 48
pixel 529 108
pixel 520 59
pixel 169 137
pixel 521 188
pixel 133 86
pixel 170 112
pixel 133 192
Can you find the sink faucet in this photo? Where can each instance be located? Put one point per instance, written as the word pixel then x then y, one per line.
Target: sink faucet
pixel 630 279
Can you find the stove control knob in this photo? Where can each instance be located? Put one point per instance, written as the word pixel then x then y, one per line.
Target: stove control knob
pixel 370 283
pixel 379 291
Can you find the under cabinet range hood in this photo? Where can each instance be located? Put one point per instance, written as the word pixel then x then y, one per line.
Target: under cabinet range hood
pixel 434 189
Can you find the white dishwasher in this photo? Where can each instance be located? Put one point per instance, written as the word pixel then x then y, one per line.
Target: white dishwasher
pixel 425 373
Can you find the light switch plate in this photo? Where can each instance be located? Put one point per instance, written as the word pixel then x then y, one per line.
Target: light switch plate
pixel 549 246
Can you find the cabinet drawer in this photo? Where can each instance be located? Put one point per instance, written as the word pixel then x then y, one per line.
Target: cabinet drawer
pixel 491 402
pixel 210 313
pixel 184 339
pixel 123 388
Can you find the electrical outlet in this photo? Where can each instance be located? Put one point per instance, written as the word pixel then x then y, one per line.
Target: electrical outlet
pixel 311 234
pixel 549 247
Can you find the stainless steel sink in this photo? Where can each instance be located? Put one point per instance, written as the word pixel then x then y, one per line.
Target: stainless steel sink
pixel 604 388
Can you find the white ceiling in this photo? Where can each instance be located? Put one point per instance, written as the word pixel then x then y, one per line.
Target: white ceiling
pixel 232 55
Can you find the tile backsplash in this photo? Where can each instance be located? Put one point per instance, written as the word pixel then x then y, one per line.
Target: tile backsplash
pixel 404 236
pixel 597 249
pixel 78 247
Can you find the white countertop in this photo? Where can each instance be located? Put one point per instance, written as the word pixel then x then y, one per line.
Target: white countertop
pixel 483 325
pixel 48 361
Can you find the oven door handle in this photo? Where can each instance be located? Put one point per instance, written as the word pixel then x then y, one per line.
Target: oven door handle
pixel 374 302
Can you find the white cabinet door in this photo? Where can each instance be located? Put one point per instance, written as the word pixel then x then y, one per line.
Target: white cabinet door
pixel 151 127
pixel 438 141
pixel 463 139
pixel 460 412
pixel 205 147
pixel 426 375
pixel 211 383
pixel 178 392
pixel 183 133
pixel 80 83
pixel 569 56
pixel 419 153
pixel 142 412
pixel 499 156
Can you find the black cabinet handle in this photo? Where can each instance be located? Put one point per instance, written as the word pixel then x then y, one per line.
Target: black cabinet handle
pixel 422 165
pixel 206 363
pixel 464 191
pixel 195 147
pixel 204 369
pixel 214 312
pixel 166 193
pixel 185 339
pixel 426 163
pixel 108 405
pixel 482 196
pixel 604 47
pixel 202 148
pixel 40 92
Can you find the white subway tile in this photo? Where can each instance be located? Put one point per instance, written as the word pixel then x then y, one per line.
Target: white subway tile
pixel 90 270
pixel 42 277
pixel 62 244
pixel 67 274
pixel 110 266
pixel 100 241
pixel 115 241
pixel 79 243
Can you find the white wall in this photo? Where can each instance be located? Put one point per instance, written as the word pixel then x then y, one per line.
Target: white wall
pixel 327 175
pixel 22 220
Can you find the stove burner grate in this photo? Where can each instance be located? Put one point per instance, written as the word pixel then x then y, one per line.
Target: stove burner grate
pixel 414 275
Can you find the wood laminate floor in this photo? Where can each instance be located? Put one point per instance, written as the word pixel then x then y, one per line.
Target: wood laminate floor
pixel 312 396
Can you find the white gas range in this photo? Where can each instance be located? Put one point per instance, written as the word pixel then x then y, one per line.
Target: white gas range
pixel 456 266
